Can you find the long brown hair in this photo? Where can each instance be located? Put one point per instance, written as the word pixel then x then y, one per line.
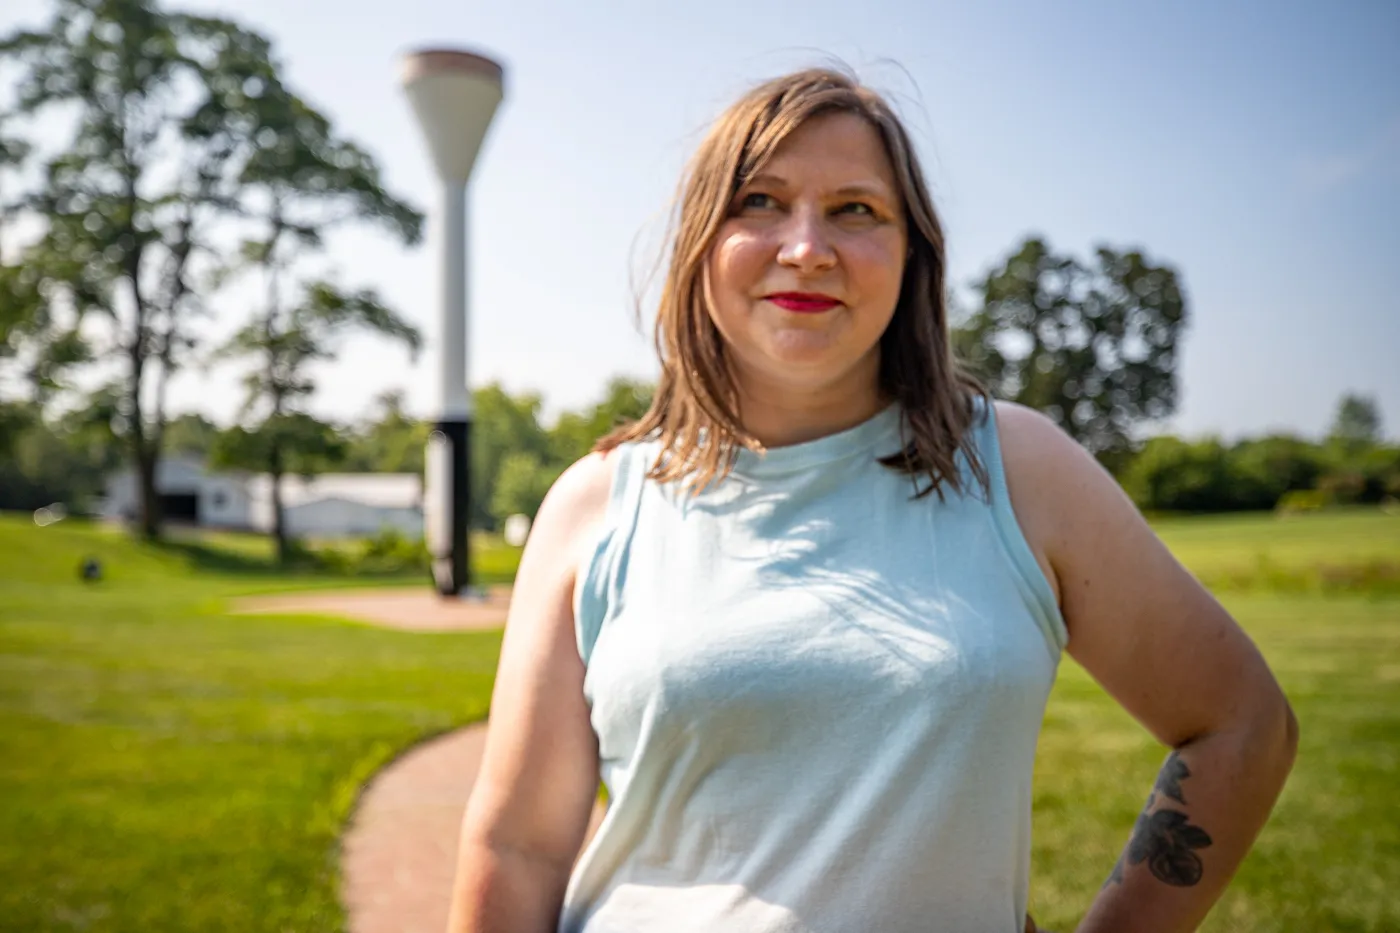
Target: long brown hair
pixel 694 411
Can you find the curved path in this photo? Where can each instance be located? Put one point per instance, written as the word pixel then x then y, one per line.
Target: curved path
pixel 416 609
pixel 399 852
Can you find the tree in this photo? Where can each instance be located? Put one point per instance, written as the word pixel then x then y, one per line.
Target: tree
pixel 502 425
pixel 299 181
pixel 517 460
pixel 33 346
pixel 285 339
pixel 56 459
pixel 191 434
pixel 1262 470
pixel 126 203
pixel 573 435
pixel 1357 425
pixel 32 342
pixel 1170 474
pixel 17 418
pixel 20 302
pixel 1092 346
pixel 22 309
pixel 521 485
pixel 300 444
pixel 390 441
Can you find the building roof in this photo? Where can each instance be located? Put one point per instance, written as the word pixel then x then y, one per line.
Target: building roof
pixel 183 472
pixel 382 490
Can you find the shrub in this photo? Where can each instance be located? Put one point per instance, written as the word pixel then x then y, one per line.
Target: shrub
pixel 1173 475
pixel 1263 470
pixel 1343 487
pixel 1301 500
pixel 391 551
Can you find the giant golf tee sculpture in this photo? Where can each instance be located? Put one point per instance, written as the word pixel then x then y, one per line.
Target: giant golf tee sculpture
pixel 454 94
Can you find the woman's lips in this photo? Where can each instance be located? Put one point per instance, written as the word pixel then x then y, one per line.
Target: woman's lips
pixel 803 302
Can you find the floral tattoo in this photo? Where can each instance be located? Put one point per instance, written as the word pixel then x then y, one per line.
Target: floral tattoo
pixel 1166 840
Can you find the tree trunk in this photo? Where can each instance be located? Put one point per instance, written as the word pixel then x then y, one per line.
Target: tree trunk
pixel 150 525
pixel 145 455
pixel 279 518
pixel 279 523
pixel 146 449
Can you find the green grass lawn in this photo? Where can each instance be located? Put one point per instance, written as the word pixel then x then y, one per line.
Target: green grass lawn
pixel 1329 859
pixel 1334 550
pixel 164 766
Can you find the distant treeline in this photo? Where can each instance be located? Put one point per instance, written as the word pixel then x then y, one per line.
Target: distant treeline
pixel 66 457
pixel 515 457
pixel 1279 471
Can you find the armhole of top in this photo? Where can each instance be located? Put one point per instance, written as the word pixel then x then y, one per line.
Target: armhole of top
pixel 1030 578
pixel 600 576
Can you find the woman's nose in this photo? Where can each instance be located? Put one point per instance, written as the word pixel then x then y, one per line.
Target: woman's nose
pixel 805 245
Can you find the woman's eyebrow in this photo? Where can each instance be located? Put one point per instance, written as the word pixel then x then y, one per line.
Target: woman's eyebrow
pixel 858 189
pixel 864 189
pixel 767 179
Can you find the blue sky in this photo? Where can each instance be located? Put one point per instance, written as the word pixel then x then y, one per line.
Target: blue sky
pixel 1256 147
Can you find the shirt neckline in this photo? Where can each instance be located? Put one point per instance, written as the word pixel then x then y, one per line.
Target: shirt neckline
pixel 793 457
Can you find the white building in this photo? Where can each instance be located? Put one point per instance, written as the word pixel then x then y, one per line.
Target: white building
pixel 331 505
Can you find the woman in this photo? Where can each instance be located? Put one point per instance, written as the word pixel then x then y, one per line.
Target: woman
pixel 804 616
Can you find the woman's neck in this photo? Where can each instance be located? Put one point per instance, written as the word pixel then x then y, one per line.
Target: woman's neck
pixel 781 419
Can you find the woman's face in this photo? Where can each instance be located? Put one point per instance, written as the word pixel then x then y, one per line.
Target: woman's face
pixel 805 273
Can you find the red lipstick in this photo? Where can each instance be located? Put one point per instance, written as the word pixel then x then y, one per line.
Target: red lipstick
pixel 803 302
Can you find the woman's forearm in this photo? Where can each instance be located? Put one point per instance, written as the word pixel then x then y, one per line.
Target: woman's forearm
pixel 1209 802
pixel 505 892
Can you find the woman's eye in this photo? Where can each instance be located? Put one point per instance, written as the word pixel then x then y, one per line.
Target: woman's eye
pixel 756 201
pixel 857 208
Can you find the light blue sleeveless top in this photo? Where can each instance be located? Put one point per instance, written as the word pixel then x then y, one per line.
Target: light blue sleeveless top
pixel 817 699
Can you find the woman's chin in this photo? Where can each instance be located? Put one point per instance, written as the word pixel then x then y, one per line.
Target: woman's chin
pixel 809 371
pixel 797 347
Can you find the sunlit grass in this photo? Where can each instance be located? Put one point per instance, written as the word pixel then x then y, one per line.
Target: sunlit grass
pixel 166 766
pixel 1330 550
pixel 1330 855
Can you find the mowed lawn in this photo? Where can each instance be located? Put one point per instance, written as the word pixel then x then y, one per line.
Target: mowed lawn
pixel 1329 858
pixel 166 766
pixel 1322 552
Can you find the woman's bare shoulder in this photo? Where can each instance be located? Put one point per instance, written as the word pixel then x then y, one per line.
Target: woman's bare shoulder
pixel 578 499
pixel 1020 427
pixel 1037 455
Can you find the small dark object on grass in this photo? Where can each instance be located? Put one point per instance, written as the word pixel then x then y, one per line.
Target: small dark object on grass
pixel 91 570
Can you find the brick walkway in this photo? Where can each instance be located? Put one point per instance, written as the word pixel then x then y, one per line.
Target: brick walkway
pixel 399 853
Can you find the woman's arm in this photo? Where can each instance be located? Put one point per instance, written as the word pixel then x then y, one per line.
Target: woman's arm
pixel 1162 646
pixel 530 807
